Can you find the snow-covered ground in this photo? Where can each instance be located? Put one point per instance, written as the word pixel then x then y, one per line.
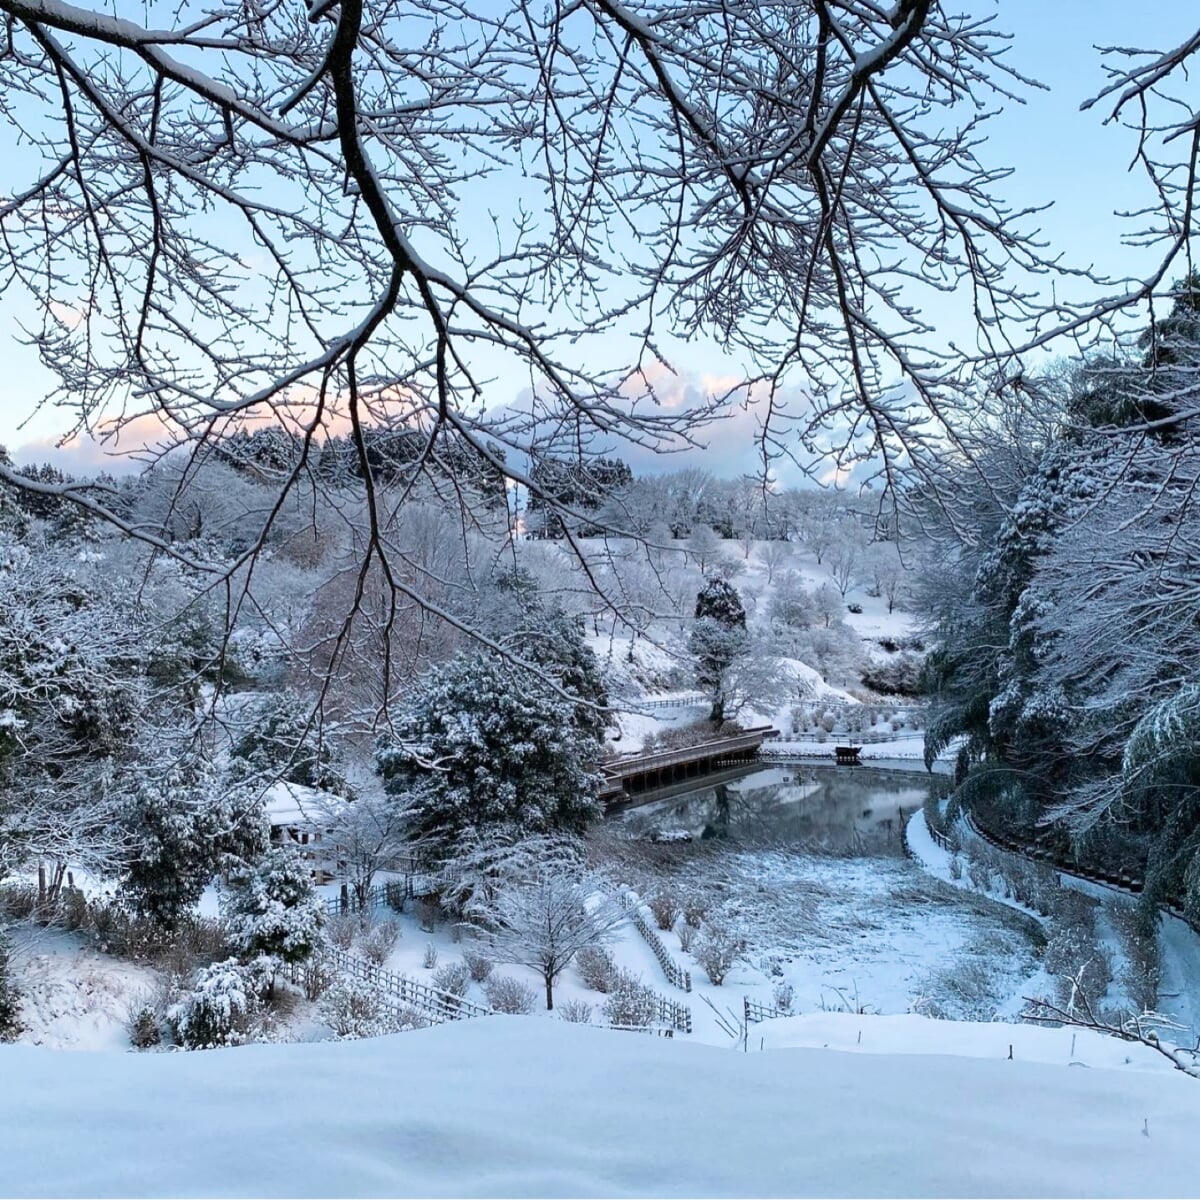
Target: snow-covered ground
pixel 865 933
pixel 506 1107
pixel 73 997
pixel 661 663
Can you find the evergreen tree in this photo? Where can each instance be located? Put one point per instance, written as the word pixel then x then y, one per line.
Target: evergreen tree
pixel 275 910
pixel 1160 786
pixel 182 827
pixel 480 744
pixel 718 639
pixel 284 742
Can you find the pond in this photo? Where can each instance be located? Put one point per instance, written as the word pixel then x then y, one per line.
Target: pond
pixel 786 804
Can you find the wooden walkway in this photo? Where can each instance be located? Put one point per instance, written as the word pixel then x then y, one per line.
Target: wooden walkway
pixel 634 773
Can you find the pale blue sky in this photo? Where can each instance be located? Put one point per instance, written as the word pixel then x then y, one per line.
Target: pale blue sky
pixel 1059 154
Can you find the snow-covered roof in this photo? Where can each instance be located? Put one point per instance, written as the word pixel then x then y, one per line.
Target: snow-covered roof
pixel 294 804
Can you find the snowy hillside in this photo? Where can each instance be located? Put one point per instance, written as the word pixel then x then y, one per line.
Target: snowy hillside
pixel 504 1107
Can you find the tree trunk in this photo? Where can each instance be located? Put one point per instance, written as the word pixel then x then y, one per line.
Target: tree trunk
pixel 549 993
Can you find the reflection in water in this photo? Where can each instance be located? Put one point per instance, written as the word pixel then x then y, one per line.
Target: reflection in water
pixel 831 806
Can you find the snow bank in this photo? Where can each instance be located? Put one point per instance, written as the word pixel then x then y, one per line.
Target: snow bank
pixel 74 998
pixel 512 1107
pixel 907 1033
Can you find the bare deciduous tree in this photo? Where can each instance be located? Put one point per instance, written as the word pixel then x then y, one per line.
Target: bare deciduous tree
pixel 544 920
pixel 231 215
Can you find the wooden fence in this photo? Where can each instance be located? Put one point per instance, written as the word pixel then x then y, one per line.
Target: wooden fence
pixel 755 1012
pixel 691 700
pixel 869 737
pixel 392 894
pixel 671 969
pixel 940 839
pixel 400 993
pixel 671 1012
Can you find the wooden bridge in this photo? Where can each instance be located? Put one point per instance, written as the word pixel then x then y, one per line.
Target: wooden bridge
pixel 630 774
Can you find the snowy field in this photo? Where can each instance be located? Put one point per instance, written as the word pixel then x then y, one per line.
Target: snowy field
pixel 506 1107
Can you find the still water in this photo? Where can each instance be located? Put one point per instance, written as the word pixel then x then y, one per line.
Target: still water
pixel 785 804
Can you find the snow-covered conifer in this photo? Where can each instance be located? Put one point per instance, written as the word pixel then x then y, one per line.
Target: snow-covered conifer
pixel 481 744
pixel 276 911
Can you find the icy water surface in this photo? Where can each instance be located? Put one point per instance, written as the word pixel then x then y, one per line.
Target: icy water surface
pixel 787 803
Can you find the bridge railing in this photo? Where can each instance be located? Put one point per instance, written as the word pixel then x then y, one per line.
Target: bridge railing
pixel 637 764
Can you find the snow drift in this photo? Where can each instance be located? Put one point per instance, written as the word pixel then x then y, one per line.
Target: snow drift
pixel 519 1107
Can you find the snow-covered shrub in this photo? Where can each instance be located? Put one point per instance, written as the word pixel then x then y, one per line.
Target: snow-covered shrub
pixel 687 935
pixel 314 976
pixel 597 968
pixel 967 990
pixel 1142 972
pixel 276 911
pixel 453 978
pixel 430 958
pixel 394 895
pixel 979 875
pixel 665 906
pixel 897 676
pixel 144 1028
pixel 694 911
pixel 19 901
pixel 73 908
pixel 342 929
pixel 630 1001
pixel 784 996
pixel 578 1012
pixel 955 867
pixel 10 1000
pixel 222 1002
pixel 354 1009
pixel 1034 885
pixel 717 950
pixel 380 940
pixel 196 942
pixel 508 995
pixel 479 965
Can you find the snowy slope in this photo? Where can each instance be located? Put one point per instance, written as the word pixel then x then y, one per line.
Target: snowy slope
pixel 505 1107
